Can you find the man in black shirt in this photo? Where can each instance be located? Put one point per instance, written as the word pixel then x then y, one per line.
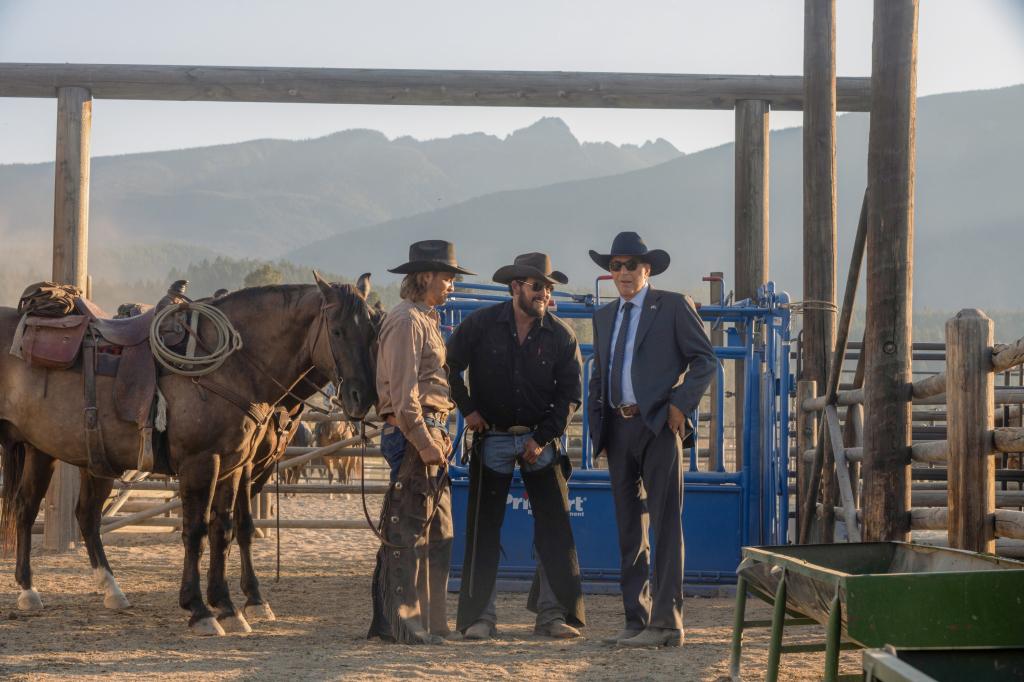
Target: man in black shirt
pixel 524 386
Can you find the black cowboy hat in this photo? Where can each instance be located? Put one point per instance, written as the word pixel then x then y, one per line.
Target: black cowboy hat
pixel 431 255
pixel 630 244
pixel 528 265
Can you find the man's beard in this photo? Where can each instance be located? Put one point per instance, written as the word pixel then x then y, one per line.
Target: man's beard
pixel 526 304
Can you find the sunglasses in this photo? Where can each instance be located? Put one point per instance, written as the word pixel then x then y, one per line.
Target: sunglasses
pixel 630 265
pixel 537 286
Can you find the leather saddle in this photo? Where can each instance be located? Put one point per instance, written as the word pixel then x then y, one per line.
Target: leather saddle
pixel 107 346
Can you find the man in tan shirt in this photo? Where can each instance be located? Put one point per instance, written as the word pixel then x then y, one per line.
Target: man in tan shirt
pixel 411 579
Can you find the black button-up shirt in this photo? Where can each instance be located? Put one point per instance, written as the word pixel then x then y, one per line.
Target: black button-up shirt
pixel 535 384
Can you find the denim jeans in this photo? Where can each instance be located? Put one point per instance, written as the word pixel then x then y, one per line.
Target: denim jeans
pixel 500 452
pixel 392 446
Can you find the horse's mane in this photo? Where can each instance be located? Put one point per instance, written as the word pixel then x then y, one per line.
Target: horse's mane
pixel 348 294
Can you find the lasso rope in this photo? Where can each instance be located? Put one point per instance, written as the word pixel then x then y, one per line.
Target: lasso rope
pixel 228 340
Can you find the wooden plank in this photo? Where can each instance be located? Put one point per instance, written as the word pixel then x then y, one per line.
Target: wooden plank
pixel 842 399
pixel 842 473
pixel 1009 524
pixel 260 524
pixel 940 498
pixel 806 442
pixel 930 386
pixel 1006 356
pixel 891 152
pixel 374 488
pixel 1009 439
pixel 70 261
pixel 929 518
pixel 971 467
pixel 931 452
pixel 421 87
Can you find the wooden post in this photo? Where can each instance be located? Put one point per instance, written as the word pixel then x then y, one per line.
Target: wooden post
pixel 819 211
pixel 751 227
pixel 70 259
pixel 970 394
pixel 887 339
pixel 806 438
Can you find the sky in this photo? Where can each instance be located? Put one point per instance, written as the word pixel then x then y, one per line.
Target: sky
pixel 962 46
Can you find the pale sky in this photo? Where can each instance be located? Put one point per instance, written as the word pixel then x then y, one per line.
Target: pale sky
pixel 962 46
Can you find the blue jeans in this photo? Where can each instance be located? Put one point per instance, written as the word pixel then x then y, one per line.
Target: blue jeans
pixel 500 452
pixel 392 446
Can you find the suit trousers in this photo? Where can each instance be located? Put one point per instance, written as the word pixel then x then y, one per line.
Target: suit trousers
pixel 647 488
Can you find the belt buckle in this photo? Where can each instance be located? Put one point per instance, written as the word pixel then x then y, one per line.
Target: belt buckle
pixel 621 409
pixel 518 430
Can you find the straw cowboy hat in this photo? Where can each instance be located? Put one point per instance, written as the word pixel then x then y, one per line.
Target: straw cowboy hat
pixel 431 255
pixel 527 265
pixel 630 244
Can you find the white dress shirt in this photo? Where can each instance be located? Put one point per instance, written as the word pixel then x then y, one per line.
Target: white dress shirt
pixel 628 396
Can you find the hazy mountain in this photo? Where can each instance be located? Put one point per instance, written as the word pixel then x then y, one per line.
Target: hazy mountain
pixel 969 211
pixel 265 197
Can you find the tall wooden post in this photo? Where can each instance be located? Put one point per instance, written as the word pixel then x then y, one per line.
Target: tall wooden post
pixel 751 228
pixel 806 439
pixel 890 240
pixel 819 216
pixel 70 260
pixel 969 396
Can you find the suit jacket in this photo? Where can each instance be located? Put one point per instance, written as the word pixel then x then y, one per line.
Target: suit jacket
pixel 673 361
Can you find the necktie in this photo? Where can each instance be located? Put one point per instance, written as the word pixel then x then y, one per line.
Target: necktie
pixel 619 356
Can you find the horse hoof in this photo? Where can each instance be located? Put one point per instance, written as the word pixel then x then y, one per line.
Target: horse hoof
pixel 259 612
pixel 206 627
pixel 29 600
pixel 116 602
pixel 234 623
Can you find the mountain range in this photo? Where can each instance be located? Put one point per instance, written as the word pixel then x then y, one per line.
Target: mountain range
pixel 354 200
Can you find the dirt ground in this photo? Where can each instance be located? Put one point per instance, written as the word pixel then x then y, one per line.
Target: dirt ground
pixel 323 608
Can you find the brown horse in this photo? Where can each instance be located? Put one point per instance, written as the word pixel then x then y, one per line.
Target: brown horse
pixel 324 332
pixel 342 468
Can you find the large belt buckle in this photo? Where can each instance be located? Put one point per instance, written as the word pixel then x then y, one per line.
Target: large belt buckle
pixel 622 410
pixel 519 430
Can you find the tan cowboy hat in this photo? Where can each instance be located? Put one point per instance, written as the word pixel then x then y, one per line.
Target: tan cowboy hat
pixel 529 265
pixel 431 255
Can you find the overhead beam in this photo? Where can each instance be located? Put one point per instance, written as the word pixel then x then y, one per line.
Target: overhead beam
pixel 421 87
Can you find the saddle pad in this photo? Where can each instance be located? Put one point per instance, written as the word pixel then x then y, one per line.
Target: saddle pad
pixel 53 343
pixel 135 384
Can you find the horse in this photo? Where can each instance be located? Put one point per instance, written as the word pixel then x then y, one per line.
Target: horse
pixel 301 437
pixel 342 468
pixel 295 338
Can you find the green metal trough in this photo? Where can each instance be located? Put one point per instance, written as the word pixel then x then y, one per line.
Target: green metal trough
pixel 944 665
pixel 873 594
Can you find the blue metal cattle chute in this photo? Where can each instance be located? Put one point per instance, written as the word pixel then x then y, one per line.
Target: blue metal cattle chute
pixel 727 504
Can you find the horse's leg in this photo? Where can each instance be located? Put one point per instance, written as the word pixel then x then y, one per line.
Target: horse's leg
pixel 92 493
pixel 37 469
pixel 221 532
pixel 255 607
pixel 197 478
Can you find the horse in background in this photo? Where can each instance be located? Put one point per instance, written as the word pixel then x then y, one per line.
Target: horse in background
pixel 345 468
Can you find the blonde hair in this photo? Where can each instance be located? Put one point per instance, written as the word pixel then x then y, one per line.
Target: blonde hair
pixel 414 286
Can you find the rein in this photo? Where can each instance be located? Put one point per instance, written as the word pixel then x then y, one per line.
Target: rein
pixel 443 480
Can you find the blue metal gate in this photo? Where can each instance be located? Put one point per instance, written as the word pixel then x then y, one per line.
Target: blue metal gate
pixel 727 504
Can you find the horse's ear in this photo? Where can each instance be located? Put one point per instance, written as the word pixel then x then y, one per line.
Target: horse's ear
pixel 363 285
pixel 325 287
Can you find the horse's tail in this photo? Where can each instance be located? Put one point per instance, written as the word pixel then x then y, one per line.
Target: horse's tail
pixel 12 463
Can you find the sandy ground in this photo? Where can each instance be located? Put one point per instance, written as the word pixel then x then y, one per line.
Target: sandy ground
pixel 323 608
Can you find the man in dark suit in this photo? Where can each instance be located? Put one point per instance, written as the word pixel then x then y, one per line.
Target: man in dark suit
pixel 652 363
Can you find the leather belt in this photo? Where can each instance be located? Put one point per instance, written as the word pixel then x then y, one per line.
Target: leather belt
pixel 626 411
pixel 439 420
pixel 513 430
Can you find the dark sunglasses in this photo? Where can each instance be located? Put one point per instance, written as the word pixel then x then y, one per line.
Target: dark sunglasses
pixel 537 286
pixel 630 265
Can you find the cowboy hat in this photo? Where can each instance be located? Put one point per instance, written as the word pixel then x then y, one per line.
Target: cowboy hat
pixel 527 265
pixel 630 244
pixel 431 255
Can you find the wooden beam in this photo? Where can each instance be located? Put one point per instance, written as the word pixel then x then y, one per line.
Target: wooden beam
pixel 70 260
pixel 887 339
pixel 421 87
pixel 971 467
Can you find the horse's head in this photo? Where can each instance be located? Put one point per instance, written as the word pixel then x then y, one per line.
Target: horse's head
pixel 350 327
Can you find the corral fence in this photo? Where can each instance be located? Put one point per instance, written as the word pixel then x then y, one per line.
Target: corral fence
pixel 967 438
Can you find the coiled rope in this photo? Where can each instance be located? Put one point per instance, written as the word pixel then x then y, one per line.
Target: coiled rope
pixel 228 340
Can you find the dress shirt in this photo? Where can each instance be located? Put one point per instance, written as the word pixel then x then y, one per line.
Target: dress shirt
pixel 628 395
